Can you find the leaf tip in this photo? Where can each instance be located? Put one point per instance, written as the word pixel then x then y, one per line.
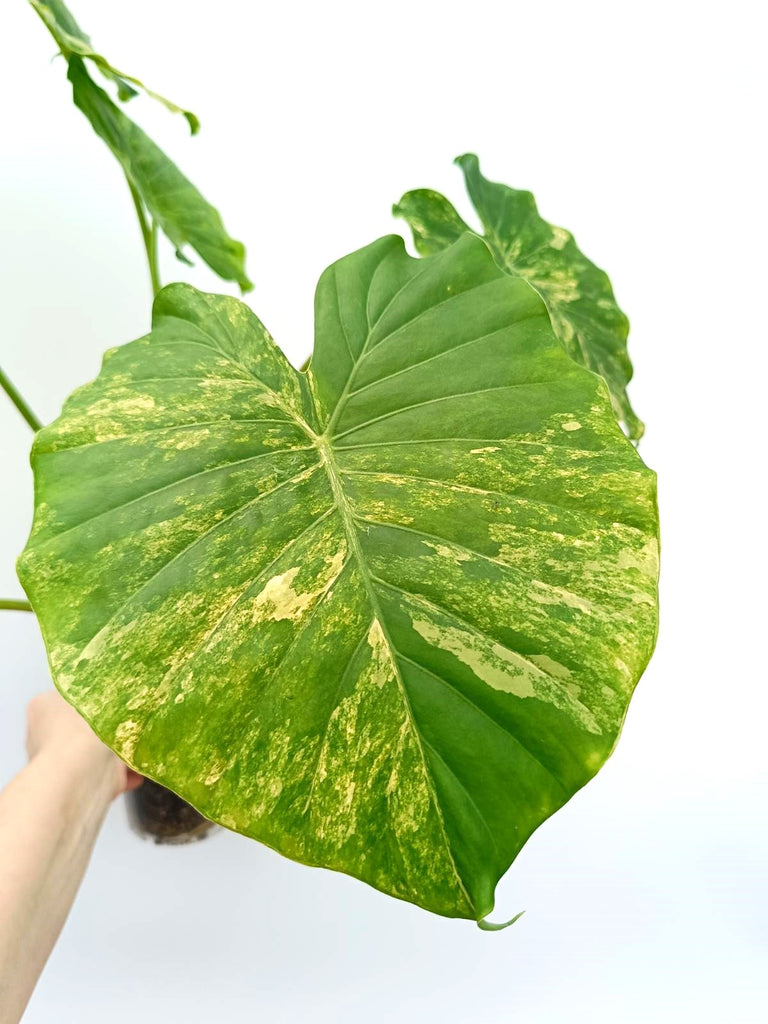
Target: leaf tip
pixel 636 429
pixel 467 159
pixel 493 926
pixel 182 258
pixel 125 92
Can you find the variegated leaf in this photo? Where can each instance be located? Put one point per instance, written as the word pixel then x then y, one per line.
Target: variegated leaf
pixel 159 188
pixel 579 297
pixel 386 615
pixel 72 41
pixel 179 209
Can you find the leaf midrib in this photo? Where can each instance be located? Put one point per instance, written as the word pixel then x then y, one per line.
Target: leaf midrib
pixel 323 442
pixel 351 531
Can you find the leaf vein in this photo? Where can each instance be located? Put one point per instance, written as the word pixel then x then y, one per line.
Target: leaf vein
pixel 181 480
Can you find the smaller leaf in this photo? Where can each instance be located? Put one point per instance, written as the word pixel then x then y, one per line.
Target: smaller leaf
pixel 173 201
pixel 72 41
pixel 578 295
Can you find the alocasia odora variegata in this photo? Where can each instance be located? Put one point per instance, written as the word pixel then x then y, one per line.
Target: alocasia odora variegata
pixel 385 615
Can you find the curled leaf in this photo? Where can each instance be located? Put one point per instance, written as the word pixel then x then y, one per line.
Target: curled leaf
pixel 173 201
pixel 579 297
pixel 72 41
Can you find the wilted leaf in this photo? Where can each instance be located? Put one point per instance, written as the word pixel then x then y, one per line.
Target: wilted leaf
pixel 578 294
pixel 72 41
pixel 160 188
pixel 385 616
pixel 173 201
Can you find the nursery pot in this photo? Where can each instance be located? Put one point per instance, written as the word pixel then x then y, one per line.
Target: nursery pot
pixel 155 812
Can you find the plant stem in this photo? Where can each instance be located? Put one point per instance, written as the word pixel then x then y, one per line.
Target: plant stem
pixel 10 604
pixel 154 271
pixel 149 236
pixel 19 402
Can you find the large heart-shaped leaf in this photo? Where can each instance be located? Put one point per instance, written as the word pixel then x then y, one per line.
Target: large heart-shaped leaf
pixel 579 297
pixel 385 616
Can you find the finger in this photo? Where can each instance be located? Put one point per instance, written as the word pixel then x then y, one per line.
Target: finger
pixel 133 780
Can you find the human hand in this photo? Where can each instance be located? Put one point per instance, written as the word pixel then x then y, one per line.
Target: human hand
pixel 54 729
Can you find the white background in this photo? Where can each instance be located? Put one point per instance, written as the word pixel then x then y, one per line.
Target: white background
pixel 639 127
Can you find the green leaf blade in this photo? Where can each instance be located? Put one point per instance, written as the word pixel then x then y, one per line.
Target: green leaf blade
pixel 73 41
pixel 578 295
pixel 383 627
pixel 173 201
pixel 433 220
